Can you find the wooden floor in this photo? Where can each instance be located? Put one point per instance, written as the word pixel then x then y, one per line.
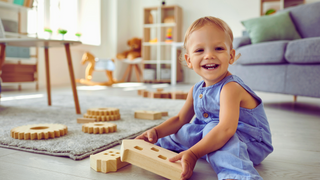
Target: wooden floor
pixel 296 138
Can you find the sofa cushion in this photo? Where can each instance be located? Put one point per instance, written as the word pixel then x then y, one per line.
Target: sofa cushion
pixel 274 27
pixel 303 51
pixel 306 19
pixel 268 78
pixel 263 53
pixel 241 41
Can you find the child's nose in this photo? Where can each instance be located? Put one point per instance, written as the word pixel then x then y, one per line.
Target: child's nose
pixel 209 55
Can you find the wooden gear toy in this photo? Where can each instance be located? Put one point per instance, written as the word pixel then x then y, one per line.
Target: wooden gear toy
pixel 99 128
pixel 39 131
pixel 103 114
pixel 150 157
pixel 107 161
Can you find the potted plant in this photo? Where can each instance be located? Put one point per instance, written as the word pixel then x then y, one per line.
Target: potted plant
pixel 62 32
pixel 78 35
pixel 48 32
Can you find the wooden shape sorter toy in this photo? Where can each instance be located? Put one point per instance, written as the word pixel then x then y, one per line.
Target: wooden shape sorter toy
pixel 99 128
pixel 150 157
pixel 149 115
pixel 107 161
pixel 39 131
pixel 103 114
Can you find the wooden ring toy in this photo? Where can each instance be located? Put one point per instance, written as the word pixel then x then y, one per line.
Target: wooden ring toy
pixel 99 128
pixel 103 114
pixel 39 131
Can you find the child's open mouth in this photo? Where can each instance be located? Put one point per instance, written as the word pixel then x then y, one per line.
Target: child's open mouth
pixel 210 66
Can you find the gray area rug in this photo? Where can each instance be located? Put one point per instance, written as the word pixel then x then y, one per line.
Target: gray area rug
pixel 76 144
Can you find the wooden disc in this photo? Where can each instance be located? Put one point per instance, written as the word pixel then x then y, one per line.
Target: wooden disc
pixel 39 131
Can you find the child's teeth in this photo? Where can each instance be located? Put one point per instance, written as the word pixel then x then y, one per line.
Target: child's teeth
pixel 210 66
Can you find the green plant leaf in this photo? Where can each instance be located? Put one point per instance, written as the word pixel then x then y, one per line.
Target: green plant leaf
pixel 62 31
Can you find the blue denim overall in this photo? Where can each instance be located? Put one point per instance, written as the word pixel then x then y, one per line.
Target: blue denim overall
pixel 249 145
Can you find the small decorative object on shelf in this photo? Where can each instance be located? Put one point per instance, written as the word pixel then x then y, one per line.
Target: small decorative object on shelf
pixel 169 19
pixel 62 32
pixel 270 11
pixel 169 35
pixel 155 40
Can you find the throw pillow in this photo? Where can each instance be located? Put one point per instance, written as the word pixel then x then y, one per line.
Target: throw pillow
pixel 274 27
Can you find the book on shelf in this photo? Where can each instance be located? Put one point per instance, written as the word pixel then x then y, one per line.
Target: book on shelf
pixel 24 3
pixel 28 3
pixel 18 2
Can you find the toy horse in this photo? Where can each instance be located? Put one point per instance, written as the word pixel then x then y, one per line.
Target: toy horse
pixel 95 64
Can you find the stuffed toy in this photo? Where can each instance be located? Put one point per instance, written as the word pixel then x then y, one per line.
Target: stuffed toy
pixel 134 52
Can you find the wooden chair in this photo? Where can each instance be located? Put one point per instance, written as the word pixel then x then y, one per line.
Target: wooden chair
pixel 132 64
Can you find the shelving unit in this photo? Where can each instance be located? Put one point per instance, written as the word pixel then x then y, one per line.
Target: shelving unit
pixel 282 4
pixel 18 70
pixel 157 55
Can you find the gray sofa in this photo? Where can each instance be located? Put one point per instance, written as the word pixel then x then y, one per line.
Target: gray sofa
pixel 286 67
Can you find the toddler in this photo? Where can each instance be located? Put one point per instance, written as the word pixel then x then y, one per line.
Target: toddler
pixel 230 130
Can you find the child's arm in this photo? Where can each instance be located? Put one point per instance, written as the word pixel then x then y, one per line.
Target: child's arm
pixel 230 98
pixel 173 124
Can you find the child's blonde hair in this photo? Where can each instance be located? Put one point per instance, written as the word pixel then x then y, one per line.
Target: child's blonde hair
pixel 209 20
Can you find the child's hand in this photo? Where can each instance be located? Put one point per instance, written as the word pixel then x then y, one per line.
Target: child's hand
pixel 188 161
pixel 149 136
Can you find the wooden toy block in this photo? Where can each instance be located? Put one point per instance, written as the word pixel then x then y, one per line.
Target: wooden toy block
pixel 149 115
pixel 179 95
pixel 107 161
pixel 164 113
pixel 86 120
pixel 39 131
pixel 145 93
pixel 165 95
pixel 150 157
pixel 103 114
pixel 140 91
pixel 154 94
pixel 159 90
pixel 99 128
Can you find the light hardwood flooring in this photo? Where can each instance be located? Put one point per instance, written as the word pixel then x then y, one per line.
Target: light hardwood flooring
pixel 295 128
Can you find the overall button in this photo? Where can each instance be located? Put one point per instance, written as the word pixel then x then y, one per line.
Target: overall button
pixel 200 96
pixel 205 115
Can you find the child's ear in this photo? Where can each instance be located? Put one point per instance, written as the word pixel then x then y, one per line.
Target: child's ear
pixel 232 56
pixel 187 58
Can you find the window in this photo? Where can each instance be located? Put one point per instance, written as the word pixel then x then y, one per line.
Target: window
pixel 75 16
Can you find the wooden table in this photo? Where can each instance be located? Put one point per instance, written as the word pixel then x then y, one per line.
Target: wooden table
pixel 46 43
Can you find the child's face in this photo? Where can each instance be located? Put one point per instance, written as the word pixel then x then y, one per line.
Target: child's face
pixel 209 54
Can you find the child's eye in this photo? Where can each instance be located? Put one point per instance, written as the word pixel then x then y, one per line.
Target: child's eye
pixel 219 48
pixel 199 50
